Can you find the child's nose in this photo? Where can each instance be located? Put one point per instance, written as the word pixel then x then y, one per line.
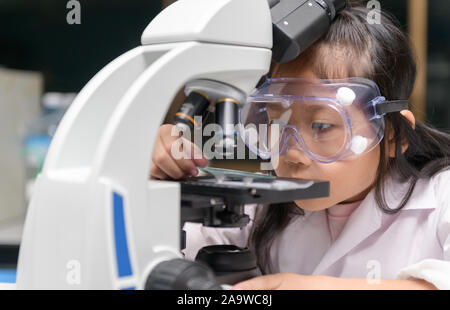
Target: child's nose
pixel 295 156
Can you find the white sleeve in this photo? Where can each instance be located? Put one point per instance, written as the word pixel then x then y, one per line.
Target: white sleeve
pixel 198 236
pixel 436 271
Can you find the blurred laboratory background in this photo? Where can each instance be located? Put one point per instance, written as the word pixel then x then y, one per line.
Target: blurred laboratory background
pixel 45 61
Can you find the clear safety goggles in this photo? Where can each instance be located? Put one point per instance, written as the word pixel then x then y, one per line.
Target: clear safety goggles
pixel 329 120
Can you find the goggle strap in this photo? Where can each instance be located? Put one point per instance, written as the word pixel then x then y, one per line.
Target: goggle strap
pixel 391 106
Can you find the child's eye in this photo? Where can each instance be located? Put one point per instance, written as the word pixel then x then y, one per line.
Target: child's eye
pixel 320 126
pixel 322 131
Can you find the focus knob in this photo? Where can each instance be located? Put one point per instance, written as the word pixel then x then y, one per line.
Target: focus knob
pixel 181 274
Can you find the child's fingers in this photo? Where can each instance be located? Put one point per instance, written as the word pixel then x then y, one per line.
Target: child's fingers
pixel 198 158
pixel 175 156
pixel 266 282
pixel 186 154
pixel 157 173
pixel 167 164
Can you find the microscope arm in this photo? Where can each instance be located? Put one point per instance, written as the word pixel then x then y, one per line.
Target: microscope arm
pixel 93 206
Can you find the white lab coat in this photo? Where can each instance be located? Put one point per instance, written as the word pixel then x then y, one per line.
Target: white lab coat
pixel 415 242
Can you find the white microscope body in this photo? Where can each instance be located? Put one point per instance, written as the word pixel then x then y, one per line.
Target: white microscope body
pixel 95 220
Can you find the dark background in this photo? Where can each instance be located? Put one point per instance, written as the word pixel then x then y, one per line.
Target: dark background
pixel 34 35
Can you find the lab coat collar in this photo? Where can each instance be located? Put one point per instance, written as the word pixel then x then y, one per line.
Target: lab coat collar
pixel 423 196
pixel 368 217
pixel 363 222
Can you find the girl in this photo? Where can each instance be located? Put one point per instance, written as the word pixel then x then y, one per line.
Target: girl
pixel 386 223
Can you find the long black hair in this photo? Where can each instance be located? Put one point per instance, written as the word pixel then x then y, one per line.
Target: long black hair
pixel 383 53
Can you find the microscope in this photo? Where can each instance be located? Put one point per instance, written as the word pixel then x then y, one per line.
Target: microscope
pixel 95 220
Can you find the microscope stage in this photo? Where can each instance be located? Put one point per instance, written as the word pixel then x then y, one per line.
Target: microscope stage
pixel 245 190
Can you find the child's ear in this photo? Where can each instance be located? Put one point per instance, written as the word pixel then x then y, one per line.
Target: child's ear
pixel 409 117
pixel 391 139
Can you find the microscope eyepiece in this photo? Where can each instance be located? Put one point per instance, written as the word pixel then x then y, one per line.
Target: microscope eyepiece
pixel 298 24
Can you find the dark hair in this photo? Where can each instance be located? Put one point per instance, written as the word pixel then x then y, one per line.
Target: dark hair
pixel 382 53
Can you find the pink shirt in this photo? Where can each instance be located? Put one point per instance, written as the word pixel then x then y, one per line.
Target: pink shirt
pixel 337 216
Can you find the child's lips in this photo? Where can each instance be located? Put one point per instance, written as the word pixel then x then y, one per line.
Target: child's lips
pixel 298 177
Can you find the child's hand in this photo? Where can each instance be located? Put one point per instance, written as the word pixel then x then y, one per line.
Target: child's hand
pixel 164 160
pixel 292 281
pixel 286 281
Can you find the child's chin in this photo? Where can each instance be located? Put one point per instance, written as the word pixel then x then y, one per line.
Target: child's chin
pixel 317 204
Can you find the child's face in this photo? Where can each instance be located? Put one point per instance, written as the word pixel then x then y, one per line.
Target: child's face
pixel 350 180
